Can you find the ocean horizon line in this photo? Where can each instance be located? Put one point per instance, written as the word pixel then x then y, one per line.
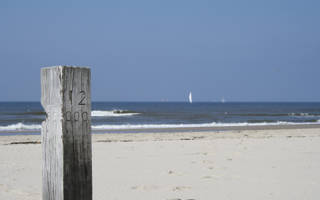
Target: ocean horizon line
pixel 176 102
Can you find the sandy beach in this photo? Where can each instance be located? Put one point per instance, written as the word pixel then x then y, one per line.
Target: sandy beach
pixel 159 100
pixel 280 163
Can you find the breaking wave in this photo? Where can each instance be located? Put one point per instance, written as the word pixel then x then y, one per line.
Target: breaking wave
pixel 20 126
pixel 206 125
pixel 112 113
pixel 37 127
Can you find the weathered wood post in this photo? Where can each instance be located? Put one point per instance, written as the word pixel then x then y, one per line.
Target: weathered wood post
pixel 66 133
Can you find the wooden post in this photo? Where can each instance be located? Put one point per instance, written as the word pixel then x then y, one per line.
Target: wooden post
pixel 66 133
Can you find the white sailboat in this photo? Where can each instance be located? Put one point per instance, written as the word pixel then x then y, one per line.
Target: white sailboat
pixel 223 100
pixel 190 97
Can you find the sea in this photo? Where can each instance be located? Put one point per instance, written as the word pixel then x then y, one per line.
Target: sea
pixel 26 117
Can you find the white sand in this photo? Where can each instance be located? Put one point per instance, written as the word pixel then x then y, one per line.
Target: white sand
pixel 268 164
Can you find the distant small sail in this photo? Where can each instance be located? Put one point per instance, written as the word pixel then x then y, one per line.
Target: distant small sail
pixel 190 97
pixel 223 100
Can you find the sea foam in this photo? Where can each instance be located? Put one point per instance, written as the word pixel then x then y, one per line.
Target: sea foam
pixel 112 113
pixel 205 125
pixel 22 127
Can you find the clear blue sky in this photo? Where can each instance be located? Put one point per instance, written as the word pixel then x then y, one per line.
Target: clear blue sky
pixel 152 50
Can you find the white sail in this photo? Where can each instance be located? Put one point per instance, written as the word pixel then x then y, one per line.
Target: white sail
pixel 190 97
pixel 223 100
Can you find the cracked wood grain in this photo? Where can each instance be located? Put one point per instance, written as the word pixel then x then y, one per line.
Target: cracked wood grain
pixel 66 133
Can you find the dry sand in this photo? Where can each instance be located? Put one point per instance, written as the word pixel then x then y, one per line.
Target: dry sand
pixel 247 164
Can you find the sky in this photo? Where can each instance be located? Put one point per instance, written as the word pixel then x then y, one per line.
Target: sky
pixel 160 50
